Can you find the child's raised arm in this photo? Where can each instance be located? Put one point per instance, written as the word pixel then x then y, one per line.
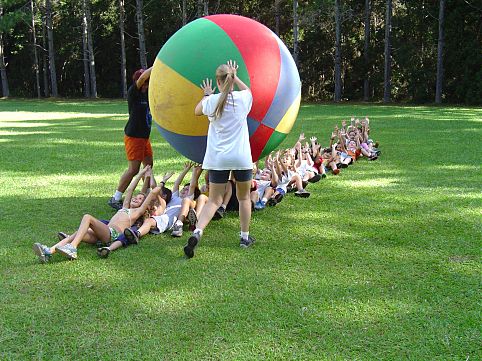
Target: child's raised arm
pixel 196 173
pixel 180 177
pixel 133 185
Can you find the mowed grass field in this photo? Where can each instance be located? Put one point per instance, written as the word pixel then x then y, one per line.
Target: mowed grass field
pixel 382 262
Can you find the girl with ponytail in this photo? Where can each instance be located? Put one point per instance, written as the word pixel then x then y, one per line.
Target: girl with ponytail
pixel 227 149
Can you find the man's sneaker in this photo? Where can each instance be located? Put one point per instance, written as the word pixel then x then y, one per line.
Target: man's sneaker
pixel 245 243
pixel 62 235
pixel 67 250
pixel 192 242
pixel 115 204
pixel 103 252
pixel 302 193
pixel 192 219
pixel 259 205
pixel 177 230
pixel 43 252
pixel 131 235
pixel 219 213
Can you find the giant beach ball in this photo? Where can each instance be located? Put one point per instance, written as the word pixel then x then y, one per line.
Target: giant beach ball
pixel 194 52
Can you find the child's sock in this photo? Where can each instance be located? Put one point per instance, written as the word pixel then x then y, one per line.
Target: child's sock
pixel 179 223
pixel 264 200
pixel 244 235
pixel 224 206
pixel 199 231
pixel 117 195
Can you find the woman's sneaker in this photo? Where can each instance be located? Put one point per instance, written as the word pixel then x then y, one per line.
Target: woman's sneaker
pixel 246 242
pixel 192 243
pixel 67 250
pixel 42 251
pixel 132 235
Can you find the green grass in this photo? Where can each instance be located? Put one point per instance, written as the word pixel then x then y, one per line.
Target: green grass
pixel 382 262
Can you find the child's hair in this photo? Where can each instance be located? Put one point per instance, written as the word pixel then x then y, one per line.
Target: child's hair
pixel 166 193
pixel 197 191
pixel 225 76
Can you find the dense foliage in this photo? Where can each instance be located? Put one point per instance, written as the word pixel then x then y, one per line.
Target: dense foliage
pixel 414 44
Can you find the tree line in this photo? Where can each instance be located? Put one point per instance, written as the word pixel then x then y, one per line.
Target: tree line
pixel 363 50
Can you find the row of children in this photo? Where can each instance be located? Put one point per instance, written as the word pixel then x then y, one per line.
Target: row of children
pixel 157 209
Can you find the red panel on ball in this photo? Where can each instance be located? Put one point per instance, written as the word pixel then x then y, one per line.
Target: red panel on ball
pixel 259 139
pixel 261 55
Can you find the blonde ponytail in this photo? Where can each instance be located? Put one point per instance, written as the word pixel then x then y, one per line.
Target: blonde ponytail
pixel 225 76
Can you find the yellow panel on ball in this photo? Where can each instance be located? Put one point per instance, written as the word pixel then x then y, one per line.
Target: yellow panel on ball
pixel 172 101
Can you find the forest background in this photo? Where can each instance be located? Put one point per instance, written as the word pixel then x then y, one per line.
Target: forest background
pixel 347 50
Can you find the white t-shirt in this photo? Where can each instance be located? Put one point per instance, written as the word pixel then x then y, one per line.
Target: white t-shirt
pixel 174 206
pixel 228 137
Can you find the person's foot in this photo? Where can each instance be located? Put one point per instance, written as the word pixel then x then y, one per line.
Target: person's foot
pixel 246 242
pixel 259 205
pixel 302 193
pixel 315 178
pixel 131 235
pixel 290 189
pixel 344 165
pixel 192 219
pixel 103 252
pixel 192 243
pixel 67 250
pixel 219 213
pixel 323 175
pixel 62 235
pixel 272 202
pixel 42 251
pixel 373 157
pixel 336 171
pixel 278 197
pixel 177 230
pixel 115 204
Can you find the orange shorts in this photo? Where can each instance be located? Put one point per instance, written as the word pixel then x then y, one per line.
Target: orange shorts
pixel 137 148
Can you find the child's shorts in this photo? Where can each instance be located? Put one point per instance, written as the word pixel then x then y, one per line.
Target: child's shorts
pixel 162 224
pixel 115 236
pixel 281 191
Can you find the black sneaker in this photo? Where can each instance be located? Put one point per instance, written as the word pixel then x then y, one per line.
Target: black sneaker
pixel 278 197
pixel 132 235
pixel 219 213
pixel 272 202
pixel 315 178
pixel 192 242
pixel 245 243
pixel 103 252
pixel 115 204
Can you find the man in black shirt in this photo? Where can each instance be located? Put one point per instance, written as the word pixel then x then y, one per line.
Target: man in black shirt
pixel 137 132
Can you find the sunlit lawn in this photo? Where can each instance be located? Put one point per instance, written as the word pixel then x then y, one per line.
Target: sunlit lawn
pixel 381 262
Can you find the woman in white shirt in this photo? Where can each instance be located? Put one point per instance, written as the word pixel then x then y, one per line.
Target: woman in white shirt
pixel 227 149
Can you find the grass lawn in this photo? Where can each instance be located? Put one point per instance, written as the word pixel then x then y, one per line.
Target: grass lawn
pixel 382 262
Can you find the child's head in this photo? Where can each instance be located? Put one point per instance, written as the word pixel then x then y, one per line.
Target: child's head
pixel 265 174
pixel 185 191
pixel 137 201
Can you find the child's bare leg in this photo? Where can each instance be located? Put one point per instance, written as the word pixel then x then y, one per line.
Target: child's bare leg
pixel 185 205
pixel 297 180
pixel 200 203
pixel 99 231
pixel 115 245
pixel 244 200
pixel 146 226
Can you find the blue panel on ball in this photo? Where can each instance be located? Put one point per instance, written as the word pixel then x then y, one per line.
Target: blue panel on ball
pixel 288 88
pixel 252 125
pixel 192 147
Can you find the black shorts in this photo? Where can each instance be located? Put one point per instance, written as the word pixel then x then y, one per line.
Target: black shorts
pixel 222 176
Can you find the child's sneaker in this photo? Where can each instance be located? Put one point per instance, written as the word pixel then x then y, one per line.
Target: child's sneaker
pixel 42 251
pixel 302 193
pixel 272 202
pixel 259 205
pixel 192 243
pixel 131 235
pixel 68 251
pixel 103 252
pixel 336 171
pixel 192 219
pixel 115 204
pixel 62 235
pixel 177 230
pixel 246 242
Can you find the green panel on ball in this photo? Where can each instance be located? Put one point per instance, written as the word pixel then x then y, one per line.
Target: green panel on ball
pixel 275 140
pixel 197 49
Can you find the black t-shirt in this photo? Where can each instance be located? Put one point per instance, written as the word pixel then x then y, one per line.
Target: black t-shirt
pixel 140 120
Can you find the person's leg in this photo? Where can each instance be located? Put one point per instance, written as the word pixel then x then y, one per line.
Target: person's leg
pixel 126 178
pixel 216 193
pixel 200 203
pixel 99 231
pixel 147 225
pixel 244 200
pixel 185 206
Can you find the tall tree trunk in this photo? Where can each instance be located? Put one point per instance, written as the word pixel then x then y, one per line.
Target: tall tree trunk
pixel 45 65
pixel 366 82
pixel 140 32
pixel 206 7
pixel 85 51
pixel 387 88
pixel 90 47
pixel 337 97
pixel 50 38
pixel 35 54
pixel 184 13
pixel 3 69
pixel 276 16
pixel 295 31
pixel 440 48
pixel 123 49
pixel 199 10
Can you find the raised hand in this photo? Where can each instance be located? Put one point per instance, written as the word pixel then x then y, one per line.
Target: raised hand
pixel 207 86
